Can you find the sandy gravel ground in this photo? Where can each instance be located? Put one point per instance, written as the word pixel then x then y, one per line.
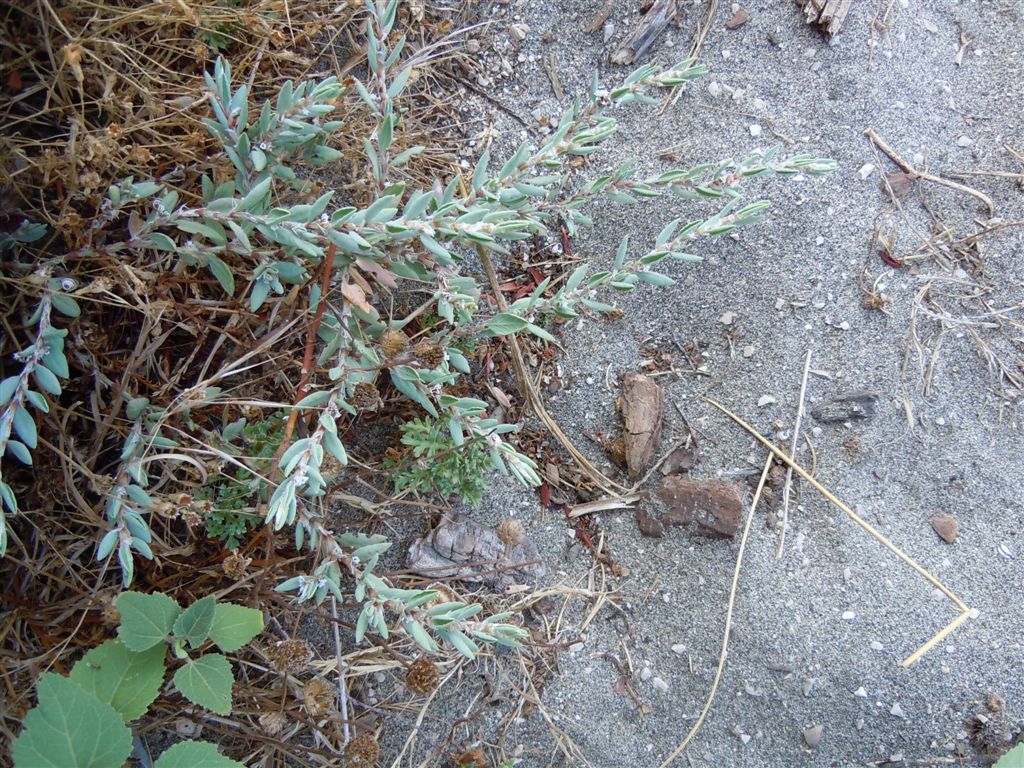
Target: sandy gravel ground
pixel 819 634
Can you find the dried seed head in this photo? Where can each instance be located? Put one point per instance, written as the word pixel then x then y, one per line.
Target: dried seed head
pixel 318 696
pixel 422 677
pixel 995 703
pixel 365 396
pixel 430 354
pixel 511 533
pixel 292 655
pixel 362 751
pixel 393 342
pixel 235 565
pixel 472 758
pixel 273 722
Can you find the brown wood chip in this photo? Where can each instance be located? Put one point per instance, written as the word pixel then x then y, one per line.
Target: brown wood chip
pixel 643 407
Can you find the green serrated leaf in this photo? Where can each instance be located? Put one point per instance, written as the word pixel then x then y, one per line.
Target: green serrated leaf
pixel 126 680
pixel 207 682
pixel 146 619
pixel 70 728
pixel 194 754
pixel 194 624
pixel 234 626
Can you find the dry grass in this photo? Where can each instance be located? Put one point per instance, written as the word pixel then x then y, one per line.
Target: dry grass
pixel 96 92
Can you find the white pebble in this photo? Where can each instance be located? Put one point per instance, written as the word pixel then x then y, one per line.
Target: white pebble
pixel 876 646
pixel 645 674
pixel 861 693
pixel 714 89
pixel 897 710
pixel 755 130
pixel 765 400
pixel 865 170
pixel 660 684
pixel 849 615
pixel 749 350
pixel 727 318
pixel 964 141
pixel 679 648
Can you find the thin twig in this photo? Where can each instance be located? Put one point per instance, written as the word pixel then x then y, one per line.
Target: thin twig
pixel 533 398
pixel 789 470
pixel 908 168
pixel 961 606
pixel 342 686
pixel 728 619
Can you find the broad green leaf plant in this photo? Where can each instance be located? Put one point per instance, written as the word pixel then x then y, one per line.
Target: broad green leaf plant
pixel 258 244
pixel 81 720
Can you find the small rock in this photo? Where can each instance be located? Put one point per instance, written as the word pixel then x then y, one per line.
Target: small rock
pixel 808 686
pixel 749 350
pixel 765 400
pixel 738 19
pixel 645 674
pixel 861 693
pixel 946 527
pixel 648 524
pixel 679 648
pixel 897 710
pixel 715 89
pixel 849 407
pixel 860 723
pixel 876 646
pixel 745 738
pixel 660 684
pixel 518 31
pixel 727 318
pixel 472 45
pixel 716 505
pixel 849 615
pixel 964 141
pixel 755 130
pixel 608 31
pixel 930 25
pixel 865 170
pixel 813 734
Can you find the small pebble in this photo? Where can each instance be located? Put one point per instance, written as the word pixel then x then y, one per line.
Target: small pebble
pixel 897 710
pixel 714 89
pixel 765 400
pixel 755 130
pixel 660 684
pixel 812 735
pixel 964 141
pixel 749 350
pixel 860 723
pixel 849 615
pixel 745 738
pixel 645 674
pixel 518 31
pixel 876 646
pixel 679 648
pixel 861 693
pixel 945 526
pixel 865 170
pixel 819 240
pixel 727 318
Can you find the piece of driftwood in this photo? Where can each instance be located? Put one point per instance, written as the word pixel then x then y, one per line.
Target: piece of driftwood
pixel 827 14
pixel 643 408
pixel 651 26
pixel 716 505
pixel 464 549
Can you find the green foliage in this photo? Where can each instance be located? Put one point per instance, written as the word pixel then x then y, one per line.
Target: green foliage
pixel 81 720
pixel 194 754
pixel 1012 759
pixel 260 236
pixel 233 496
pixel 440 465
pixel 43 362
pixel 70 728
